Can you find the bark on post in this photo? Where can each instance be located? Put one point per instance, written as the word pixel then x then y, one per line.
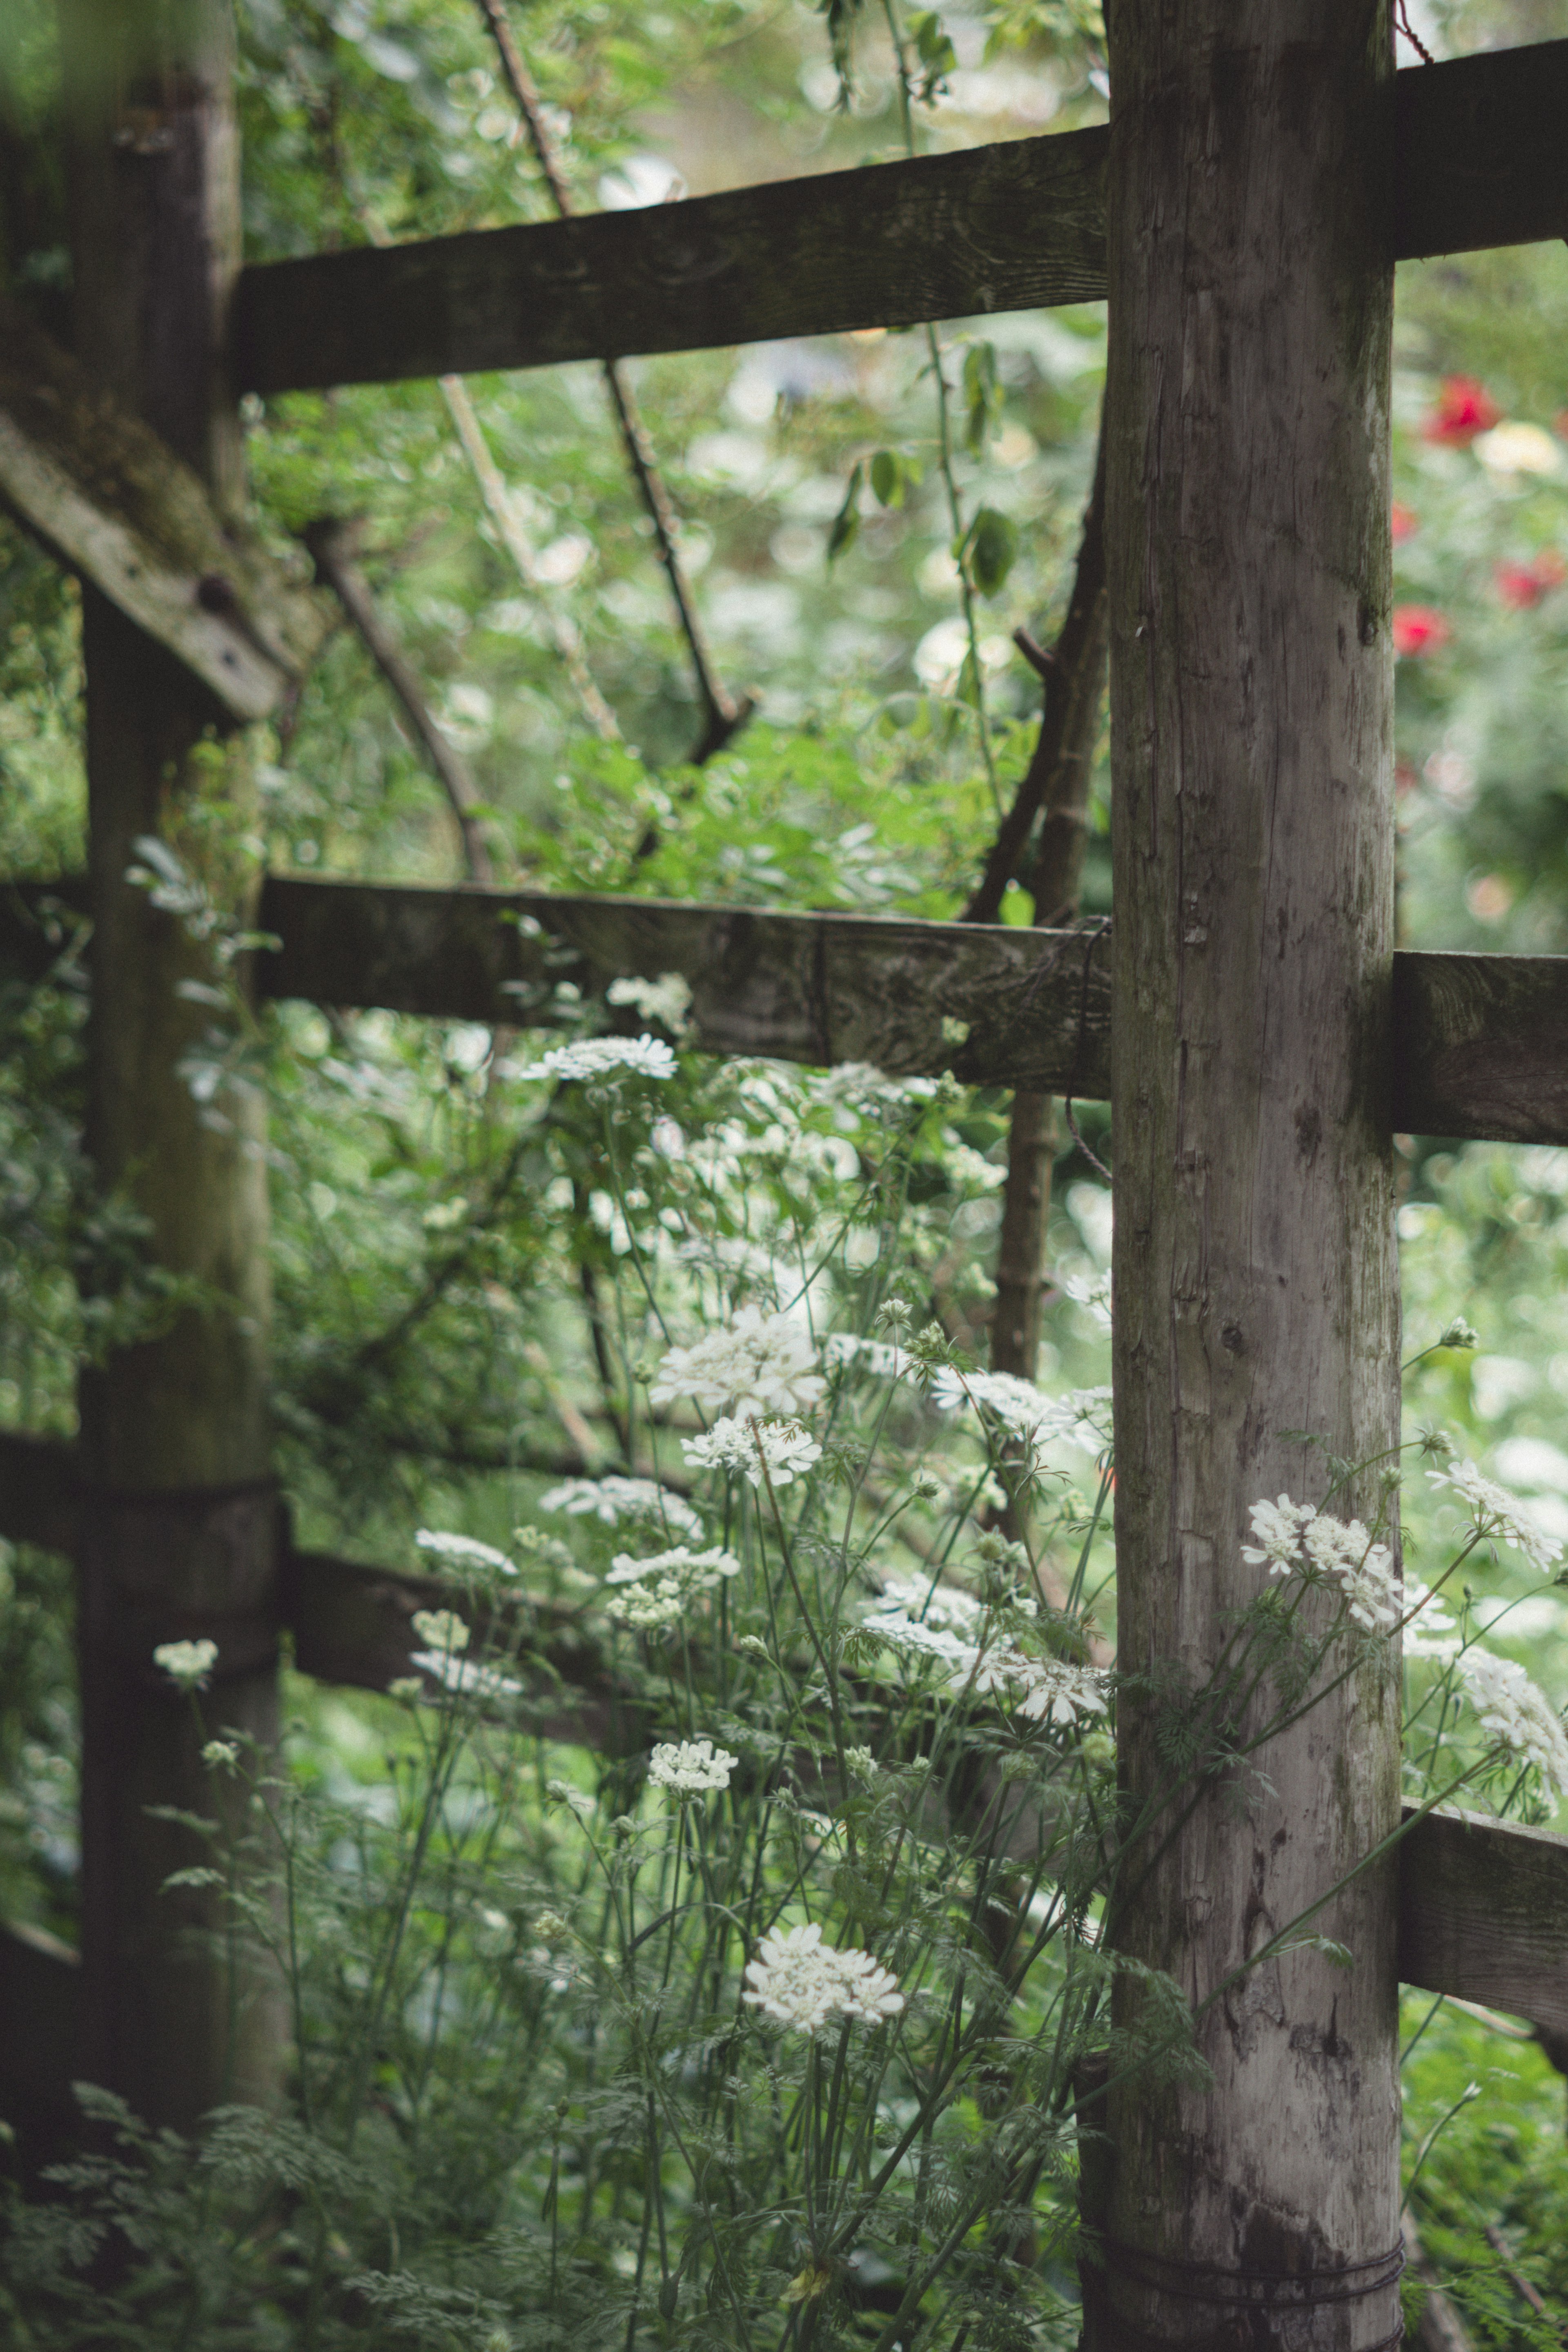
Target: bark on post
pixel 1250 288
pixel 179 1522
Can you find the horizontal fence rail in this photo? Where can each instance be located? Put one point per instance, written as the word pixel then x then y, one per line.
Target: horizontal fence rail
pixel 1483 1904
pixel 1477 159
pixel 1479 1045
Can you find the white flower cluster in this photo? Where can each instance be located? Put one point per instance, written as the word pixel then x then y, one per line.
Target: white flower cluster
pixel 1495 1512
pixel 867 1088
pixel 1297 1538
pixel 687 1766
pixel 946 1606
pixel 880 1358
pixel 614 1500
pixel 440 1629
pixel 466 1676
pixel 1047 1690
pixel 665 1000
pixel 186 1663
pixel 760 1364
pixel 606 1057
pixel 1514 1711
pixel 662 1585
pixel 803 1982
pixel 735 1444
pixel 1084 1415
pixel 1429 1630
pixel 464 1552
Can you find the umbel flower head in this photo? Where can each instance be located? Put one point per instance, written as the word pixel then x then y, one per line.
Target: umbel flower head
pixel 760 1364
pixel 610 1500
pixel 662 1584
pixel 1493 1511
pixel 606 1057
pixel 1516 1713
pixel 441 1629
pixel 746 1446
pixel 687 1767
pixel 186 1663
pixel 803 1982
pixel 1298 1539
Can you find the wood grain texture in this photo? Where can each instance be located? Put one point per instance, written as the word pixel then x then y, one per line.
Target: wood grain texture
pixel 114 504
pixel 1014 226
pixel 991 228
pixel 1481 157
pixel 806 988
pixel 1483 1913
pixel 1254 1263
pixel 1479 1043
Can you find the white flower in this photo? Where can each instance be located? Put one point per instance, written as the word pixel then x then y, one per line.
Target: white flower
pixel 1511 1707
pixel 564 1793
pixel 761 1363
pixel 880 1358
pixel 908 1634
pixel 665 1000
pixel 466 1676
pixel 687 1766
pixel 1055 1692
pixel 1295 1539
pixel 944 1605
pixel 220 1753
pixel 802 1981
pixel 735 1444
pixel 1435 1636
pixel 1027 1411
pixel 464 1552
pixel 605 1057
pixel 663 1583
pixel 186 1663
pixel 442 1629
pixel 1512 448
pixel 1495 1512
pixel 862 1764
pixel 612 1499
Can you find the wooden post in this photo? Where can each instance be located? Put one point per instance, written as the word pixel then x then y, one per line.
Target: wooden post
pixel 1251 289
pixel 179 1520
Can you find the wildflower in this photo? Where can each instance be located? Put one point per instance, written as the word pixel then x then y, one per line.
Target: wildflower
pixel 606 1057
pixel 1055 1692
pixel 442 1629
pixel 466 1677
pixel 1495 1512
pixel 735 1444
pixel 665 1000
pixel 464 1552
pixel 1517 449
pixel 186 1663
pixel 761 1363
pixel 664 1582
pixel 862 1764
pixel 1435 1636
pixel 802 1982
pixel 1418 629
pixel 1022 1408
pixel 1511 1707
pixel 1459 1334
pixel 1521 585
pixel 880 1358
pixel 406 1688
pixel 1464 409
pixel 220 1754
pixel 1296 1540
pixel 612 1499
pixel 580 1802
pixel 689 1766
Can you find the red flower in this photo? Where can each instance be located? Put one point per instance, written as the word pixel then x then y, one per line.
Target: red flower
pixel 1406 521
pixel 1464 408
pixel 1521 585
pixel 1417 630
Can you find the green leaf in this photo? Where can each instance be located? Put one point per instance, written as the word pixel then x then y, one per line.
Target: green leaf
pixel 888 477
pixel 992 551
pixel 847 521
pixel 936 53
pixel 982 396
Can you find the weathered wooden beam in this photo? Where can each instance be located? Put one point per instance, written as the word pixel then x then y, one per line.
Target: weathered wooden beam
pixel 805 988
pixel 114 504
pixel 1483 1913
pixel 1479 1043
pixel 992 228
pixel 39 1491
pixel 1015 227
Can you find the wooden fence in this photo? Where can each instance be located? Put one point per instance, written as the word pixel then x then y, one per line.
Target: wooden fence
pixel 1478 1045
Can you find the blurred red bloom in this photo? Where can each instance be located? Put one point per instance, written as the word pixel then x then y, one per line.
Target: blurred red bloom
pixel 1465 408
pixel 1406 521
pixel 1417 630
pixel 1520 585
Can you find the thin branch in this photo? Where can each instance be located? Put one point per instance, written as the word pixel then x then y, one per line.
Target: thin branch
pixel 723 715
pixel 334 545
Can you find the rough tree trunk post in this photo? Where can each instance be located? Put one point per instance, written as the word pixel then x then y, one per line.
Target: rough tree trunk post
pixel 1251 289
pixel 179 1522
